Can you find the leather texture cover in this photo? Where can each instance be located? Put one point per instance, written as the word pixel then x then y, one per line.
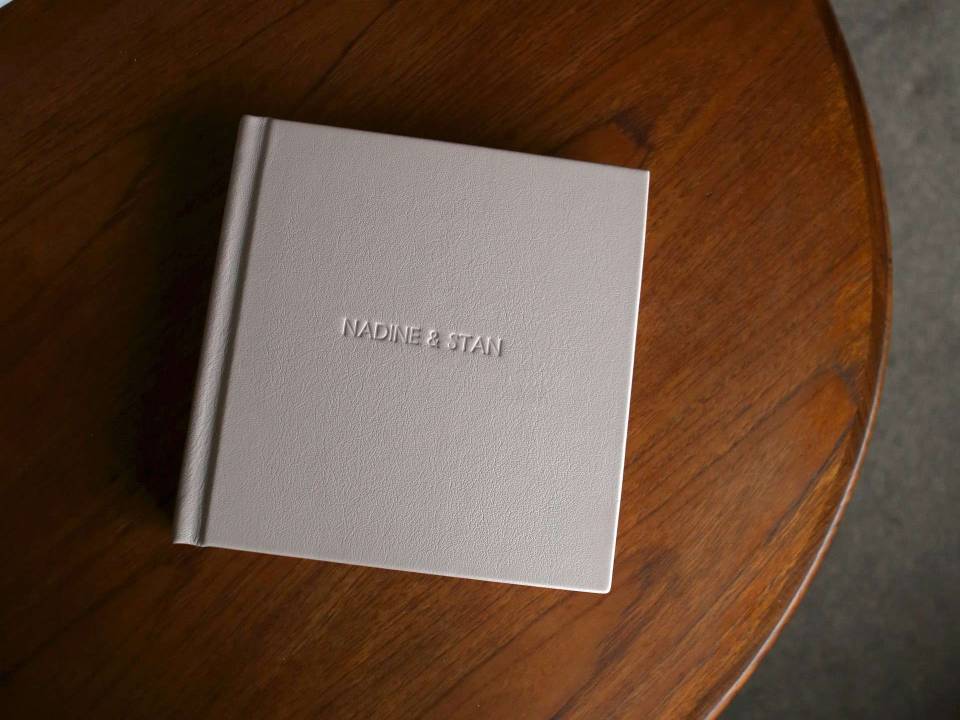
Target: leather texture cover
pixel 418 356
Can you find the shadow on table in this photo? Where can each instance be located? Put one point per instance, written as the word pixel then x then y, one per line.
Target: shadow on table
pixel 181 236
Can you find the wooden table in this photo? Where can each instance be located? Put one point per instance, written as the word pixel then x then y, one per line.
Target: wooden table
pixel 760 349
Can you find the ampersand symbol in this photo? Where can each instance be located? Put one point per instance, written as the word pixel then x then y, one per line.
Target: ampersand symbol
pixel 433 339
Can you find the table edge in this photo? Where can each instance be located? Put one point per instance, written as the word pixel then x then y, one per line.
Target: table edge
pixel 881 320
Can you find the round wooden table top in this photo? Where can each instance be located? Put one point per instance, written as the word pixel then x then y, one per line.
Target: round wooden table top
pixel 760 349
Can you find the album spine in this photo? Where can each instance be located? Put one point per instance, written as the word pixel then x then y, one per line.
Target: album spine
pixel 201 446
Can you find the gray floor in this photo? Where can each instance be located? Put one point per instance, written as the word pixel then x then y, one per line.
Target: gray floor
pixel 878 634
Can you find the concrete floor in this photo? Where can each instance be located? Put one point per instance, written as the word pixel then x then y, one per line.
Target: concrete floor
pixel 878 634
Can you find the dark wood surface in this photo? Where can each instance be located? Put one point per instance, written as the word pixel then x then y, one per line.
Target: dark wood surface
pixel 761 342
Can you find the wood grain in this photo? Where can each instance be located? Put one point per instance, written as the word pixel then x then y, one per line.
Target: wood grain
pixel 761 342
